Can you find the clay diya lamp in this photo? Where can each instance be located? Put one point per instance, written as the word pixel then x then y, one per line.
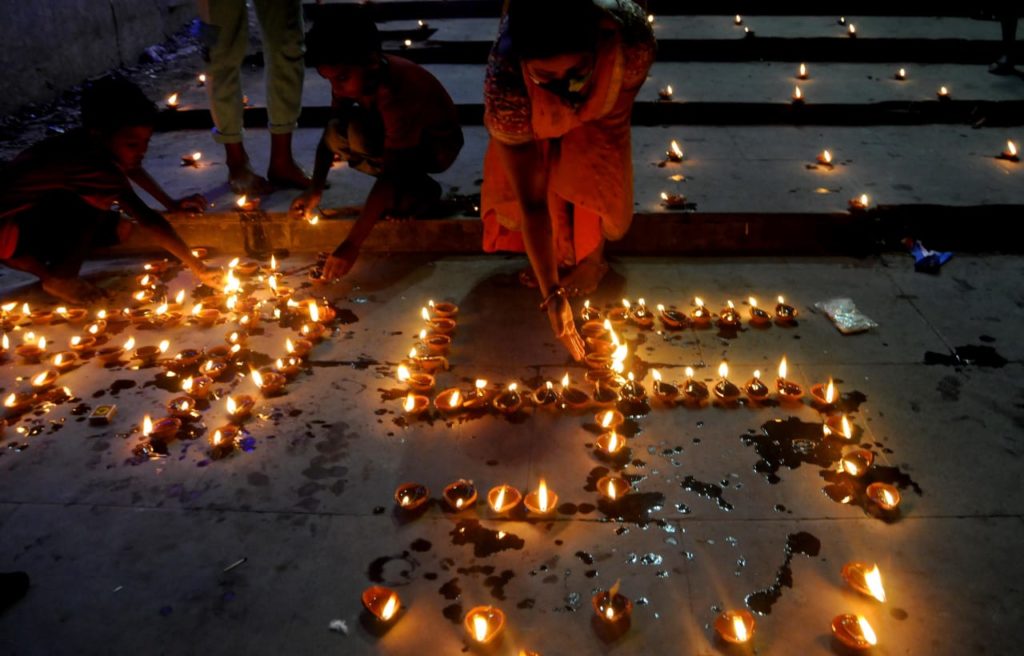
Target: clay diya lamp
pixel 213 369
pixel 545 396
pixel 417 382
pixel 148 354
pixel 735 626
pixel 73 315
pixel 435 344
pixel 322 313
pixel 479 397
pixel 410 496
pixel 41 317
pixel 82 343
pixel 415 404
pixel 885 496
pixel 857 462
pixel 236 337
pixel 673 201
pixel 18 402
pixel 573 397
pixel 840 425
pixel 271 383
pixel 593 328
pixel 784 313
pixel 44 380
pixel 729 317
pixel 541 501
pixel 224 440
pixel 140 317
pixel 289 367
pixel 449 401
pixel 246 268
pixel 823 395
pixel 313 332
pixel 854 632
pixel 508 401
pixel 664 392
pixel 597 360
pixel 198 388
pixel 600 345
pixel 116 320
pixel 602 377
pixel 184 360
pixel 633 391
pixel 299 347
pixel 788 390
pixel 865 579
pixel 30 352
pixel 239 407
pixel 200 252
pixel 166 319
pixel 610 444
pixel 443 310
pixel 672 319
pixel 605 396
pixel 640 315
pixel 164 429
pixel 459 495
pixel 182 407
pixel 694 391
pixel 1010 154
pixel 611 607
pixel 65 361
pixel 219 352
pixel 503 499
pixel 755 389
pixel 590 313
pixel 381 602
pixel 142 297
pixel 701 316
pixel 427 363
pixel 156 266
pixel 758 317
pixel 618 315
pixel 724 388
pixel 439 325
pixel 609 419
pixel 613 488
pixel 484 624
pixel 205 316
pixel 97 328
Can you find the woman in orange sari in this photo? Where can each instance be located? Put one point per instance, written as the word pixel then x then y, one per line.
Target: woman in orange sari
pixel 558 174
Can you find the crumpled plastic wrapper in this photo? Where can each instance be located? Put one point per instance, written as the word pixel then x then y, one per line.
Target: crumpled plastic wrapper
pixel 338 626
pixel 845 315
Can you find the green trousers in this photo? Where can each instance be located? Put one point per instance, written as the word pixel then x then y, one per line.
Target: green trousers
pixel 226 36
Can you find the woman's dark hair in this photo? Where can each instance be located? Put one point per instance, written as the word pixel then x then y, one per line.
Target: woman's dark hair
pixel 544 28
pixel 113 102
pixel 341 34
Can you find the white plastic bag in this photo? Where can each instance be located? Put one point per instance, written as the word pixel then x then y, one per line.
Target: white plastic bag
pixel 845 315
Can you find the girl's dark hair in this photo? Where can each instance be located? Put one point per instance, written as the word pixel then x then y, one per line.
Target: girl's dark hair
pixel 341 34
pixel 113 102
pixel 545 28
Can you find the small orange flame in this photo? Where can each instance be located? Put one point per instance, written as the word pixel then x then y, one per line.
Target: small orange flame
pixel 410 402
pixel 147 426
pixel 873 579
pixel 1011 149
pixel 172 100
pixel 403 371
pixel 242 200
pixel 257 378
pixel 542 496
pixel 129 344
pixel 500 501
pixel 830 392
pixel 739 629
pixel 455 400
pixel 480 628
pixel 390 608
pixel 866 631
pixel 783 367
pixel 723 370
pixel 611 491
pixel 676 150
pixel 845 427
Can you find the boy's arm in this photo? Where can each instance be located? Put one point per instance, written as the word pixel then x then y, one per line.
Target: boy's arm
pixel 141 177
pixel 306 202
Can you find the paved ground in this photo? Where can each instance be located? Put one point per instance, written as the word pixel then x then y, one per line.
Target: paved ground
pixel 128 555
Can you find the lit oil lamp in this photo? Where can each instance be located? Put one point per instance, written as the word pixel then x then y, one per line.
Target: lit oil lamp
pixel 573 397
pixel 65 361
pixel 45 379
pixel 289 366
pixel 223 440
pixel 724 389
pixel 417 382
pixel 798 95
pixel 618 315
pixel 1010 154
pixel 18 402
pixel 854 631
pixel 673 201
pixel 246 204
pixel 901 74
pixel 886 496
pixel 664 392
pixel 440 325
pixel 41 317
pixel 595 328
pixel 415 404
pixel 82 343
pixel 860 203
pixel 825 158
pixel 840 425
pixel 541 501
pixel 857 463
pixel 640 315
pixel 192 160
pixel 755 389
pixel 694 391
pixel 784 313
pixel 113 354
pixel 184 359
pixel 197 387
pixel 824 395
pixel 610 444
pixel 503 499
pixel 214 368
pixel 5 345
pixel 865 579
pixel 205 316
pixel 300 348
pixel 381 602
pixel 148 354
pixel 246 268
pixel 31 349
pixel 427 363
pixel 613 488
pixel 612 607
pixel 459 495
pixel 735 626
pixel 605 394
pixel 609 419
pixel 480 396
pixel 239 407
pixel 943 94
pixel 672 319
pixel 758 317
pixel 201 80
pixel 674 152
pixel 164 429
pixel 449 401
pixel 545 396
pixel 72 315
pixel 737 20
pixel 140 317
pixel 172 101
pixel 700 316
pixel 748 33
pixel 271 383
pixel 801 72
pixel 788 390
pixel 410 496
pixel 633 390
pixel 436 344
pixel 597 360
pixel 665 94
pixel 589 312
pixel 509 401
pixel 729 317
pixel 143 296
pixel 851 30
pixel 444 309
pixel 484 624
pixel 313 332
pixel 182 407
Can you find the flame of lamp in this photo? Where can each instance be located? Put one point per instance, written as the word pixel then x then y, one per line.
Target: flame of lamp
pixel 484 623
pixel 503 498
pixel 612 609
pixel 410 496
pixel 850 631
pixel 735 626
pixel 886 496
pixel 381 602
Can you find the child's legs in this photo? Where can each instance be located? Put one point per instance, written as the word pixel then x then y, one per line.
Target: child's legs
pixel 228 37
pixel 60 232
pixel 283 49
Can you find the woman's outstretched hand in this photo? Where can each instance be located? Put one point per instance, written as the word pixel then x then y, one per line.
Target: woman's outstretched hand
pixel 562 324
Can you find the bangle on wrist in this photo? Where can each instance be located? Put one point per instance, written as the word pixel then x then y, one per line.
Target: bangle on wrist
pixel 555 293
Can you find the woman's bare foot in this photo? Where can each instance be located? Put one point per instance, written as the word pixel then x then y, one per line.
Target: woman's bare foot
pixel 585 277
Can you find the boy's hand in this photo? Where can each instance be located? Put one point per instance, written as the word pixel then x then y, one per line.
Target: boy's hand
pixel 305 203
pixel 340 262
pixel 194 203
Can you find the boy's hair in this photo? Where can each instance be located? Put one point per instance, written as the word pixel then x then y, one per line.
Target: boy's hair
pixel 544 28
pixel 112 102
pixel 343 34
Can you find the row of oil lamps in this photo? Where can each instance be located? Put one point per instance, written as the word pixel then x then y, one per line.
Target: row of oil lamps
pixel 484 625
